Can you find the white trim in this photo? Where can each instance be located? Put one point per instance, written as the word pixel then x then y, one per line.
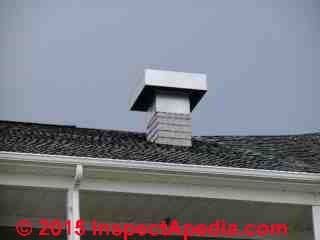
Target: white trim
pixel 73 211
pixel 162 167
pixel 39 170
pixel 73 203
pixel 203 191
pixel 28 180
pixel 316 222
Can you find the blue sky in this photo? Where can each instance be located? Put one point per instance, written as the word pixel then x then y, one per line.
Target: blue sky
pixel 76 62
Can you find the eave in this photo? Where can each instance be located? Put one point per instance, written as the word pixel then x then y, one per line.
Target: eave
pixel 164 178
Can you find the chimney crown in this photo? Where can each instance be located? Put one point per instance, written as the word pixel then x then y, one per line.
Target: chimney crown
pixel 192 84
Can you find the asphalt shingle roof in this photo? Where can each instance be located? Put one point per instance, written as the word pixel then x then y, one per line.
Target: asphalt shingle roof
pixel 298 153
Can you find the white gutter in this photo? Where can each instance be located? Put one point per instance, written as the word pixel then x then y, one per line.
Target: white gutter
pixel 195 170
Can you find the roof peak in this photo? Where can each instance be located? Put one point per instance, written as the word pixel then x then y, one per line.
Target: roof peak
pixel 140 132
pixel 66 126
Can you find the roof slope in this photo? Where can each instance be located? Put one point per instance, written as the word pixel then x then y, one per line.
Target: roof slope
pixel 300 153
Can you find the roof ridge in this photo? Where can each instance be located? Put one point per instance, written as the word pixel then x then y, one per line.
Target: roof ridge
pixel 195 137
pixel 37 123
pixel 67 126
pixel 259 136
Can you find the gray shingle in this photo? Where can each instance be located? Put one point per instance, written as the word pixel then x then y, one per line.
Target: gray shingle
pixel 300 153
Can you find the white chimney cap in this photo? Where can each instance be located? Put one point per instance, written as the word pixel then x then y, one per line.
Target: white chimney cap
pixel 193 84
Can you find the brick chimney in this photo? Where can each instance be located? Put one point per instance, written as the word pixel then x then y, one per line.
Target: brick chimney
pixel 168 98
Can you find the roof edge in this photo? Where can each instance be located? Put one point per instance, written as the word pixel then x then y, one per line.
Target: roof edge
pixel 196 170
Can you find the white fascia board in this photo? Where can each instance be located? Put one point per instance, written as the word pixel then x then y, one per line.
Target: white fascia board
pixel 160 167
pixel 100 174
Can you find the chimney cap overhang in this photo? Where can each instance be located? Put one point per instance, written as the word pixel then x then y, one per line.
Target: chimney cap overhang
pixel 193 84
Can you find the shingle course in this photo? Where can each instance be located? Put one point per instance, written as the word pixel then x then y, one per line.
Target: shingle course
pixel 299 153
